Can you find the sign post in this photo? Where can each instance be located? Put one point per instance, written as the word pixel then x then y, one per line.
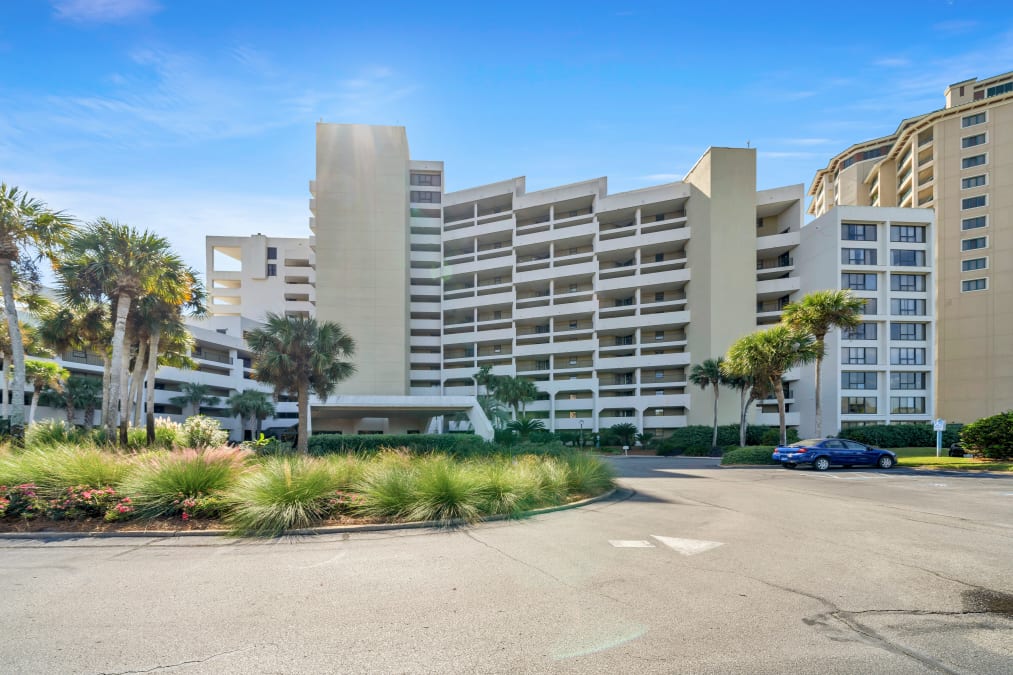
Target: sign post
pixel 940 426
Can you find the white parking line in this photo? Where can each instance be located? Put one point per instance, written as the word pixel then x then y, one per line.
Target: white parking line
pixel 634 543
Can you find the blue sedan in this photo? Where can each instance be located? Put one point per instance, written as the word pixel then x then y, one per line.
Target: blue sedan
pixel 822 452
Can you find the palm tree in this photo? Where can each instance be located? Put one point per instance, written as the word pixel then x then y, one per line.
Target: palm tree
pixel 28 230
pixel 80 392
pixel 484 378
pixel 523 426
pixel 644 439
pixel 767 355
pixel 194 395
pixel 817 314
pixel 251 405
pixel 43 375
pixel 514 392
pixel 297 354
pixel 624 431
pixel 121 264
pixel 708 374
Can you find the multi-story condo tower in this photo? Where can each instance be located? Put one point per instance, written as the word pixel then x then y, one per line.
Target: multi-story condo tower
pixel 957 161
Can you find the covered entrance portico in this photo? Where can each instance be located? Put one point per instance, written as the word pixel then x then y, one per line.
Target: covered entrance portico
pixel 393 414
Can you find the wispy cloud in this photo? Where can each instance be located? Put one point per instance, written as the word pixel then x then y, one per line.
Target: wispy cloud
pixel 103 11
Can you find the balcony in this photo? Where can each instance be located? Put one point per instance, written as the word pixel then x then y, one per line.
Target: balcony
pixel 660 319
pixel 767 288
pixel 778 243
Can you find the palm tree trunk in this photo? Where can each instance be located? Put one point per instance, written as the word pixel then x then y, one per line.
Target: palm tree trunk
pixel 819 404
pixel 256 426
pixel 4 388
pixel 714 437
pixel 137 390
pixel 116 363
pixel 744 404
pixel 303 442
pixel 779 392
pixel 35 404
pixel 124 420
pixel 106 379
pixel 69 404
pixel 89 417
pixel 17 347
pixel 149 415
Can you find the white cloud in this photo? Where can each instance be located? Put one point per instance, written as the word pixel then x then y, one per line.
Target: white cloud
pixel 103 11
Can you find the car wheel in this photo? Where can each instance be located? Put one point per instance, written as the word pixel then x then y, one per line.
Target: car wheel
pixel 821 463
pixel 789 465
pixel 885 462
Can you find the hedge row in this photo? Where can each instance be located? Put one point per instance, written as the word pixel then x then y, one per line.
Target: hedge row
pixel 453 444
pixel 902 435
pixel 752 455
pixel 990 437
pixel 695 440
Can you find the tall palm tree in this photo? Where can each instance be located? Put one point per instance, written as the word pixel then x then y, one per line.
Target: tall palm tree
pixel 767 355
pixel 122 264
pixel 80 392
pixel 515 392
pixel 28 230
pixel 817 314
pixel 708 374
pixel 194 395
pixel 299 355
pixel 624 431
pixel 253 406
pixel 484 378
pixel 523 426
pixel 43 375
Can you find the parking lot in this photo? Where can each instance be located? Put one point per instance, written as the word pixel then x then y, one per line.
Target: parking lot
pixel 688 568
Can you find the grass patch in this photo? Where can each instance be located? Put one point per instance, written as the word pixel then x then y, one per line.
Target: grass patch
pixel 190 483
pixel 283 493
pixel 915 457
pixel 55 469
pixel 752 455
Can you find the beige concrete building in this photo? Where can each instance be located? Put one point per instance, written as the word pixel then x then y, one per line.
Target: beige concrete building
pixel 957 161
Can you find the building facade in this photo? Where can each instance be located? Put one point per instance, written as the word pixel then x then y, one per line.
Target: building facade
pixel 957 161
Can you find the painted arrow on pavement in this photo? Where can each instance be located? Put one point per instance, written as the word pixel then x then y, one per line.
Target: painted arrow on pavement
pixel 687 546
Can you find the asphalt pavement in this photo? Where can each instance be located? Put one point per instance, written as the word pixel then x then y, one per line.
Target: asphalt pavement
pixel 688 568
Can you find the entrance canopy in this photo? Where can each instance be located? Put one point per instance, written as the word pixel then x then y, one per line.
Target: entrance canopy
pixel 394 414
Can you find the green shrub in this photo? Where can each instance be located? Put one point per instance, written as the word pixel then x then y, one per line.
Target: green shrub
pixel 284 493
pixel 387 486
pixel 48 433
pixel 902 435
pixel 168 434
pixel 186 482
pixel 444 489
pixel 990 437
pixel 750 455
pixel 201 432
pixel 53 470
pixel 586 475
pixel 698 437
pixel 502 489
pixel 461 445
pixel 268 447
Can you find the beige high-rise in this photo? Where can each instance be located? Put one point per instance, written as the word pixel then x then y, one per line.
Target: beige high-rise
pixel 957 161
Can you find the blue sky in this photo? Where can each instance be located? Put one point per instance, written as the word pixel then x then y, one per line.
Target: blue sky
pixel 195 117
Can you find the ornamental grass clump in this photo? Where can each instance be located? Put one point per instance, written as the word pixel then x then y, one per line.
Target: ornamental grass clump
pixel 55 469
pixel 586 475
pixel 387 486
pixel 282 494
pixel 444 490
pixel 503 489
pixel 548 476
pixel 189 483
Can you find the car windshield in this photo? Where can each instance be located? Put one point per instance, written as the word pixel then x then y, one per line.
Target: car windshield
pixel 808 441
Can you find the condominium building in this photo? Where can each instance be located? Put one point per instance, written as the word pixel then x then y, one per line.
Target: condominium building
pixel 957 161
pixel 879 372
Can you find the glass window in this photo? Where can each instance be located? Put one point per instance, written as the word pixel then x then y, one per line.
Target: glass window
pixel 973 223
pixel 659 335
pixel 858 256
pixel 858 380
pixel 858 232
pixel 659 257
pixel 907 380
pixel 272 270
pixel 859 356
pixel 425 196
pixel 858 405
pixel 973 202
pixel 871 306
pixel 659 296
pixel 904 258
pixel 907 331
pixel 973 264
pixel 907 307
pixel 907 405
pixel 432 179
pixel 971 141
pixel 907 356
pixel 973 244
pixel 998 89
pixel 858 282
pixel 272 252
pixel 907 282
pixel 972 182
pixel 975 160
pixel 971 120
pixel 974 285
pixel 863 331
pixel 907 233
pixel 659 374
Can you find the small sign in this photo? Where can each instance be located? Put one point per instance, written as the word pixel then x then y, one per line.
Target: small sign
pixel 939 425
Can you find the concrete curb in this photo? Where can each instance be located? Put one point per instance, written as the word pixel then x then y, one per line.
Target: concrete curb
pixel 338 529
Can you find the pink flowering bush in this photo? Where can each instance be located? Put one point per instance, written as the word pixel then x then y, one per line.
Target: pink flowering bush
pixel 20 501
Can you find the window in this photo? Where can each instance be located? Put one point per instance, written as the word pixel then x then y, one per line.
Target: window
pixel 907 331
pixel 907 356
pixel 659 257
pixel 974 285
pixel 496 349
pixel 659 335
pixel 542 364
pixel 907 282
pixel 973 202
pixel 425 196
pixel 497 280
pixel 907 380
pixel 851 380
pixel 871 306
pixel 624 339
pixel 907 307
pixel 863 331
pixel 272 270
pixel 858 232
pixel 858 256
pixel 430 179
pixel 272 252
pixel 972 182
pixel 858 356
pixel 573 288
pixel 659 374
pixel 660 217
pixel 573 362
pixel 971 120
pixel 623 302
pixel 542 329
pixel 903 258
pixel 971 141
pixel 973 244
pixel 907 405
pixel 973 223
pixel 974 160
pixel 1004 88
pixel 498 314
pixel 973 264
pixel 859 282
pixel 573 324
pixel 659 296
pixel 913 234
pixel 858 405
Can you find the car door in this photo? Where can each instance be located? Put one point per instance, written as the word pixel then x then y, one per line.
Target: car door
pixel 835 450
pixel 861 453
